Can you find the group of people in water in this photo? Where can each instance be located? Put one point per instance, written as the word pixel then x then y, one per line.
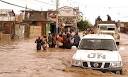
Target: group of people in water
pixel 63 40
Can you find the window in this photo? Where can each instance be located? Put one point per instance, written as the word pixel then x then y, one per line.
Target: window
pixel 111 28
pixel 34 23
pixel 98 44
pixel 1 27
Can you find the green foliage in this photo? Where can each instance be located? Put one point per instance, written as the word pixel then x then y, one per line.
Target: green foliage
pixel 82 25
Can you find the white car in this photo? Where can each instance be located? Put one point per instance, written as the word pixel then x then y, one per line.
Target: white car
pixel 98 51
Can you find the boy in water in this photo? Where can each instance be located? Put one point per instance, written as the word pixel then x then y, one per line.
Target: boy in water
pixel 38 42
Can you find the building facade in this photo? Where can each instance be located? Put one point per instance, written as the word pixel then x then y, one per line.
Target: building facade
pixel 68 18
pixel 37 23
pixel 7 24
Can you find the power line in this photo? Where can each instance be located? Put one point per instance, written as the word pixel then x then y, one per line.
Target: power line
pixel 14 4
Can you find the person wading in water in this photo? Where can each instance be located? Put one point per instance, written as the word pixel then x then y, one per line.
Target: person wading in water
pixel 38 42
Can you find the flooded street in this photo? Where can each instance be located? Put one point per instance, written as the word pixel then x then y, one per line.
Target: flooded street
pixel 20 59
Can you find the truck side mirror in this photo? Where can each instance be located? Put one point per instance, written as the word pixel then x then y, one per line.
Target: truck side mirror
pixel 74 48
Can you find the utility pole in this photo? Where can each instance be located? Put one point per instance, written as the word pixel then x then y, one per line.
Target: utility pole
pixel 27 26
pixel 57 4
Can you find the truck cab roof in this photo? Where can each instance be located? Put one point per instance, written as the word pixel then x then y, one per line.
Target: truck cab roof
pixel 98 36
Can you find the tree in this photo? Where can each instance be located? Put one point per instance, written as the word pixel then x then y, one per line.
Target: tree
pixel 82 25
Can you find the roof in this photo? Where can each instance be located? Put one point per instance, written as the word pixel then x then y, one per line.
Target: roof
pixel 98 36
pixel 106 24
pixel 65 7
pixel 37 11
pixel 7 11
pixel 36 20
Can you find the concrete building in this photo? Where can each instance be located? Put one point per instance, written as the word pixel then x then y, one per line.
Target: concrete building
pixel 7 24
pixel 124 27
pixel 68 18
pixel 52 17
pixel 37 23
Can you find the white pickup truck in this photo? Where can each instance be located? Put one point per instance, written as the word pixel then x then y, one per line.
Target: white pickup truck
pixel 110 29
pixel 98 51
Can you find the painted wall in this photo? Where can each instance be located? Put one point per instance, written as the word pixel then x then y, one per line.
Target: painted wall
pixel 35 31
pixel 19 31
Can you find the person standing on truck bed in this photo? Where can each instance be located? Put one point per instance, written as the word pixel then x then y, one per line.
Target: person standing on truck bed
pixel 98 19
pixel 109 18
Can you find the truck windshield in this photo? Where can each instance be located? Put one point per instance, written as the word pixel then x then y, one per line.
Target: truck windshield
pixel 98 44
pixel 106 28
pixel 103 27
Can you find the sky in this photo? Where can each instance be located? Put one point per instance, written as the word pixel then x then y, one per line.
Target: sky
pixel 91 9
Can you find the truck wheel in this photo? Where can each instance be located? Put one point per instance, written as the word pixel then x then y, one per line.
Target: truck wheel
pixel 119 72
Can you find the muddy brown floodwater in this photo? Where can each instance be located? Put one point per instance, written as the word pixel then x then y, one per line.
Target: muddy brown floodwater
pixel 20 59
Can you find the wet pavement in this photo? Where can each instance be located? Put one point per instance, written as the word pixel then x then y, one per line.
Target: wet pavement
pixel 20 59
